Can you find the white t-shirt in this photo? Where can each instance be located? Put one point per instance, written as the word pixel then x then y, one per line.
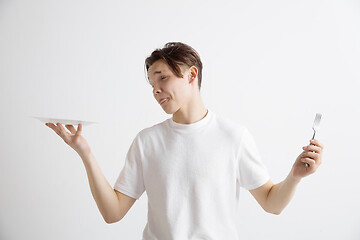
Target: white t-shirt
pixel 192 174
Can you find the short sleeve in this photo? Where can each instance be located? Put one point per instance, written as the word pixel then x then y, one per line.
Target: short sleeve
pixel 251 170
pixel 130 180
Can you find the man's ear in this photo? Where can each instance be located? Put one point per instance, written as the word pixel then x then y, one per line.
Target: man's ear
pixel 192 74
pixel 191 79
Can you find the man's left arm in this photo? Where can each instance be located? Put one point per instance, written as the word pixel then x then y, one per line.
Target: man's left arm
pixel 273 198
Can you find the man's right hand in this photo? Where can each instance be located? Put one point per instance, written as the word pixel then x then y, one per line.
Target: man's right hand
pixel 73 139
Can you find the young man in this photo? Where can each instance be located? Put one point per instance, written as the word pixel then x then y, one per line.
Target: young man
pixel 191 165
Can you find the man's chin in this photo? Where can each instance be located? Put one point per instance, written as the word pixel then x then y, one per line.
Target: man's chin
pixel 170 110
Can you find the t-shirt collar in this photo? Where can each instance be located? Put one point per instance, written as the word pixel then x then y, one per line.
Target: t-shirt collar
pixel 192 126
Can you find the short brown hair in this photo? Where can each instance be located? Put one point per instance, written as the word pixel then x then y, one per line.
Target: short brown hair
pixel 175 54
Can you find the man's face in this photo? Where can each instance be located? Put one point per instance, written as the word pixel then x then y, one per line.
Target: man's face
pixel 166 85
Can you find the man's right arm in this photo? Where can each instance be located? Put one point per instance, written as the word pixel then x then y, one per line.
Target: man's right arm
pixel 112 204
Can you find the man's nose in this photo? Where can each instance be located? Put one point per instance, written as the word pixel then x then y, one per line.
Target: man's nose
pixel 156 88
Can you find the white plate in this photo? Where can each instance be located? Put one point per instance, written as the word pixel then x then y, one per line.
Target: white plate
pixel 63 121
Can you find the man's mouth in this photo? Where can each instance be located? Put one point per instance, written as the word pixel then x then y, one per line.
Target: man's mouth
pixel 163 100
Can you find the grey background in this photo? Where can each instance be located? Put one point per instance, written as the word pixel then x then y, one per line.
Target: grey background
pixel 270 65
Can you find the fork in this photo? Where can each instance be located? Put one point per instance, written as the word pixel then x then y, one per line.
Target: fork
pixel 315 127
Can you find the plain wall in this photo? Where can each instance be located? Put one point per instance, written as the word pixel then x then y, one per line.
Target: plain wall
pixel 269 65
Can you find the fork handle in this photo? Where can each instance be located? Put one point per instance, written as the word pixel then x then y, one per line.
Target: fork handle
pixel 307 165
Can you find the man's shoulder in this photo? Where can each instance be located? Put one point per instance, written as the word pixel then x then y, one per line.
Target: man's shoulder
pixel 152 130
pixel 229 125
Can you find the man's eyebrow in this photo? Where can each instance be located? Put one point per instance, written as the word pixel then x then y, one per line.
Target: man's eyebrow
pixel 155 73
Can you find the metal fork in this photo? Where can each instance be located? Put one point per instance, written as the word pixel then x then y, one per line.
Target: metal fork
pixel 315 127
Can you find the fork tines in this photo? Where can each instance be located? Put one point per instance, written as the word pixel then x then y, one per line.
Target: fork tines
pixel 316 124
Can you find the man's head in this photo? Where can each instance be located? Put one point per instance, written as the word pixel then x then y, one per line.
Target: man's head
pixel 174 72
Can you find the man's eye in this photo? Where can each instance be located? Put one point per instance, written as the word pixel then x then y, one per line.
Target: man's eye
pixel 163 78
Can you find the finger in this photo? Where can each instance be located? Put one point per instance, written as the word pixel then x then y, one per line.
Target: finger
pixel 79 129
pixel 71 128
pixel 316 143
pixel 311 155
pixel 50 125
pixel 312 148
pixel 309 161
pixel 62 130
pixel 53 127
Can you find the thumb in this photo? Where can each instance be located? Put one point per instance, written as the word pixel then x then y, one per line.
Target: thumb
pixel 79 129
